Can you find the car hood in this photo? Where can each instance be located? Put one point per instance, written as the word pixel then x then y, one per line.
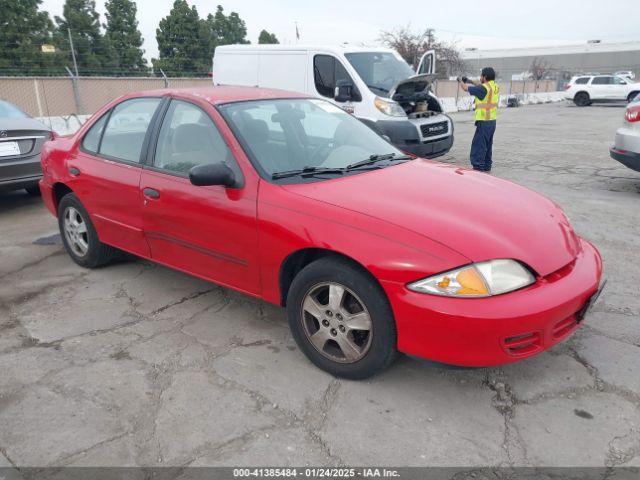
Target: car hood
pixel 475 214
pixel 8 124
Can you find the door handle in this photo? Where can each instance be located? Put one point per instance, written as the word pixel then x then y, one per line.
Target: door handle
pixel 151 193
pixel 74 171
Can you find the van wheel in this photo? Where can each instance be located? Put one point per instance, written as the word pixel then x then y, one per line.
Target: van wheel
pixel 341 319
pixel 582 99
pixel 632 96
pixel 79 235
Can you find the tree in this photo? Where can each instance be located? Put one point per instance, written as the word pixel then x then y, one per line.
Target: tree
pixel 412 45
pixel 226 29
pixel 267 38
pixel 539 68
pixel 184 43
pixel 81 18
pixel 122 37
pixel 23 31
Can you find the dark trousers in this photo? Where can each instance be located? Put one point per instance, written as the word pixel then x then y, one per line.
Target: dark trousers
pixel 482 145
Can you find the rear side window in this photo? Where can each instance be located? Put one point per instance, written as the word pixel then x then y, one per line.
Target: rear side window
pixel 582 80
pixel 124 134
pixel 601 81
pixel 327 73
pixel 91 140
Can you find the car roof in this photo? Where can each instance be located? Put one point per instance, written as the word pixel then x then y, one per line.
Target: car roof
pixel 217 95
pixel 331 48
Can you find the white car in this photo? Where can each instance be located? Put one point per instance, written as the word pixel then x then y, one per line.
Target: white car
pixel 626 148
pixel 587 89
pixel 626 74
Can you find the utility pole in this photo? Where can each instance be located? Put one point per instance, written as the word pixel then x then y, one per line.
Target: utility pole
pixel 73 52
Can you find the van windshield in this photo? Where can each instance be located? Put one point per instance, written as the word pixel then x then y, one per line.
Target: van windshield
pixel 380 71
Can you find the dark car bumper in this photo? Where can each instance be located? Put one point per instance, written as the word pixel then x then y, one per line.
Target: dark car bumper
pixel 405 136
pixel 430 149
pixel 628 159
pixel 19 173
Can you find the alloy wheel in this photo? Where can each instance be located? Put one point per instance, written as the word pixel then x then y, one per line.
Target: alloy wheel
pixel 75 231
pixel 336 322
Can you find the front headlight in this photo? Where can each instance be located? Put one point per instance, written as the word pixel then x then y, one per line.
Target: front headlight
pixel 389 107
pixel 482 279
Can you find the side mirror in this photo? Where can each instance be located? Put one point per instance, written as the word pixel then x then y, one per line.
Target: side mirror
pixel 342 92
pixel 212 174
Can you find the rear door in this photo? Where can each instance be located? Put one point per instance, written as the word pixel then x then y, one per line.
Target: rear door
pixel 106 172
pixel 209 231
pixel 600 87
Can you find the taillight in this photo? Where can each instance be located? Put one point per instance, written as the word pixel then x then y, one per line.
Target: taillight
pixel 632 114
pixel 567 86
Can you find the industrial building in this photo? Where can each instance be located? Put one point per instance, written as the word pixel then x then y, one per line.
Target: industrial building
pixel 560 62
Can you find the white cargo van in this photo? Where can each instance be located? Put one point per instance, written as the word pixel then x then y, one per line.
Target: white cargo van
pixel 374 84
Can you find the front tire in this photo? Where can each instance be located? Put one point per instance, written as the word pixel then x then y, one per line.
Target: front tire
pixel 79 236
pixel 582 99
pixel 341 319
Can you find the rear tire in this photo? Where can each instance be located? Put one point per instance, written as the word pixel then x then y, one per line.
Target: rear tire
pixel 632 96
pixel 351 332
pixel 79 236
pixel 582 99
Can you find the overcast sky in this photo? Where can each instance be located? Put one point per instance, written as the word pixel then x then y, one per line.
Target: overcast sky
pixel 472 23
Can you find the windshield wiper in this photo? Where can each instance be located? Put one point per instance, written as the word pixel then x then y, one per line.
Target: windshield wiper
pixel 306 171
pixel 377 158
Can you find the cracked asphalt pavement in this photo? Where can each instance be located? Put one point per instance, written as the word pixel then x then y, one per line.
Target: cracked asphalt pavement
pixel 138 365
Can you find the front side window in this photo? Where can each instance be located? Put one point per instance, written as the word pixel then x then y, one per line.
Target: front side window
pixel 328 73
pixel 619 81
pixel 124 134
pixel 601 81
pixel 188 138
pixel 380 71
pixel 292 134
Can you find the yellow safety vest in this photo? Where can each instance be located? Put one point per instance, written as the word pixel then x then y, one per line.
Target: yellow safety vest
pixel 487 108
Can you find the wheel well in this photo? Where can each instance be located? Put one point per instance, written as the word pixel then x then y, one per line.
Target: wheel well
pixel 59 191
pixel 582 91
pixel 300 259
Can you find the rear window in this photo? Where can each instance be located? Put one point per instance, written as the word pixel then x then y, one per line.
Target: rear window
pixel 582 80
pixel 8 110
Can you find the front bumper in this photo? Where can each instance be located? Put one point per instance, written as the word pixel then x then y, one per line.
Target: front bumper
pixel 407 137
pixel 496 330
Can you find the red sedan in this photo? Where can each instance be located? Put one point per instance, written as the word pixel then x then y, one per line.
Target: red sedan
pixel 292 200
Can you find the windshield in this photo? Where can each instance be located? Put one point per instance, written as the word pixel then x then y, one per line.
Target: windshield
pixel 292 134
pixel 7 110
pixel 380 71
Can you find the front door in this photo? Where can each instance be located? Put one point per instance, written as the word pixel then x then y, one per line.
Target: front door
pixel 207 231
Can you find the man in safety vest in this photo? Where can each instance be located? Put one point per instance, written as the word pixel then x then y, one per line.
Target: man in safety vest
pixel 487 94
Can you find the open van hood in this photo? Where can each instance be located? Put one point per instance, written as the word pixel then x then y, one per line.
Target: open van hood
pixel 415 97
pixel 417 84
